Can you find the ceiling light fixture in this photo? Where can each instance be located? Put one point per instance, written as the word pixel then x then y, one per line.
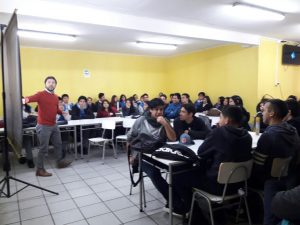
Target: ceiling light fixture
pixel 157 46
pixel 41 35
pixel 254 12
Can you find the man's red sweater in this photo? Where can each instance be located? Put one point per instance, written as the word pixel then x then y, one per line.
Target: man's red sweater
pixel 47 107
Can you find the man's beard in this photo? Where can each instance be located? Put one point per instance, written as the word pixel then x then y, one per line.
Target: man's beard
pixel 51 89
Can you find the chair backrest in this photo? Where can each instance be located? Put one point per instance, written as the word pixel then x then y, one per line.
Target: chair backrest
pixel 128 123
pixel 234 172
pixel 108 124
pixel 280 167
pixel 213 112
pixel 206 121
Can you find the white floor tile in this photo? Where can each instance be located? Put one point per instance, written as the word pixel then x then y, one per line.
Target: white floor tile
pixel 107 219
pixel 8 207
pixel 80 192
pixel 76 185
pixel 46 220
pixel 94 210
pixel 129 214
pixel 69 216
pixel 11 217
pixel 144 221
pixel 119 203
pixel 108 195
pixel 29 203
pixel 34 212
pixel 87 200
pixel 56 207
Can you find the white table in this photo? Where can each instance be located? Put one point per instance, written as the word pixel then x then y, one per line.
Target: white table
pixel 91 122
pixel 169 165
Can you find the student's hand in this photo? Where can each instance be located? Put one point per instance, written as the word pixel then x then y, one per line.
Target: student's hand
pixel 186 131
pixel 161 120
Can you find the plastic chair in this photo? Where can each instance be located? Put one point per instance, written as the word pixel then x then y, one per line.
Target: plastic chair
pixel 229 173
pixel 127 124
pixel 101 141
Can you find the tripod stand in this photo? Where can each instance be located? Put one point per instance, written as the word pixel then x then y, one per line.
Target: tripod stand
pixel 5 182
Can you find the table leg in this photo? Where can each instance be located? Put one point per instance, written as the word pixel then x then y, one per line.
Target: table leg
pixel 170 195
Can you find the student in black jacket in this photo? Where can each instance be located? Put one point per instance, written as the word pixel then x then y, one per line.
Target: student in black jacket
pixel 280 140
pixel 293 116
pixel 189 124
pixel 238 101
pixel 82 111
pixel 286 205
pixel 206 105
pixel 228 143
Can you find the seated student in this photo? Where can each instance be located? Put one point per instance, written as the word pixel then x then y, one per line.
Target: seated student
pixel 63 119
pixel 293 97
pixel 199 101
pixel 259 110
pixel 171 97
pixel 114 103
pixel 206 105
pixel 189 124
pixel 158 128
pixel 226 102
pixel 163 97
pixel 28 121
pixel 293 116
pixel 122 100
pixel 106 110
pixel 185 99
pixel 144 98
pixel 82 111
pixel 227 143
pixel 220 104
pixel 98 104
pixel 129 109
pixel 280 140
pixel 67 106
pixel 238 101
pixel 90 103
pixel 286 205
pixel 173 109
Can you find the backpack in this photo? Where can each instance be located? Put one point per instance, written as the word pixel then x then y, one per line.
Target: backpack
pixel 176 152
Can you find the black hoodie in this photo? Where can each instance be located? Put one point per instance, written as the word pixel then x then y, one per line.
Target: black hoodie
pixel 225 144
pixel 295 122
pixel 278 141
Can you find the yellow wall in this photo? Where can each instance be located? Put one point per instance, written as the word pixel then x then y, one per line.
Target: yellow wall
pixel 288 76
pixel 225 70
pixel 110 73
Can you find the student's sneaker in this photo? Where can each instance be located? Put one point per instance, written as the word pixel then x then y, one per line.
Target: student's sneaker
pixel 175 212
pixel 30 163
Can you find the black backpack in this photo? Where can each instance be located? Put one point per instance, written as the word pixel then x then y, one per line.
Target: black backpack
pixel 176 152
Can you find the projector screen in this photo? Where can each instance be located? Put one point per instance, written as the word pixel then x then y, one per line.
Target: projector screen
pixel 12 85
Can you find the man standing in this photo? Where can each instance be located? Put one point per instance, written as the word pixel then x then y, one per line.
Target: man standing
pixel 46 125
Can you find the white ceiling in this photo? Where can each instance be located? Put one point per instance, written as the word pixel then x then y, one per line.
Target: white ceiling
pixel 114 25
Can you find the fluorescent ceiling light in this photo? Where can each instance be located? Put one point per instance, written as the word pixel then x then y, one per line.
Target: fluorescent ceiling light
pixel 253 12
pixel 40 35
pixel 156 46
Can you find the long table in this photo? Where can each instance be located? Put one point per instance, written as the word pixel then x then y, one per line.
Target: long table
pixel 174 167
pixel 91 122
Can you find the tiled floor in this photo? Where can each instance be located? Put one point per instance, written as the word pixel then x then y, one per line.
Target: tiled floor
pixel 89 193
